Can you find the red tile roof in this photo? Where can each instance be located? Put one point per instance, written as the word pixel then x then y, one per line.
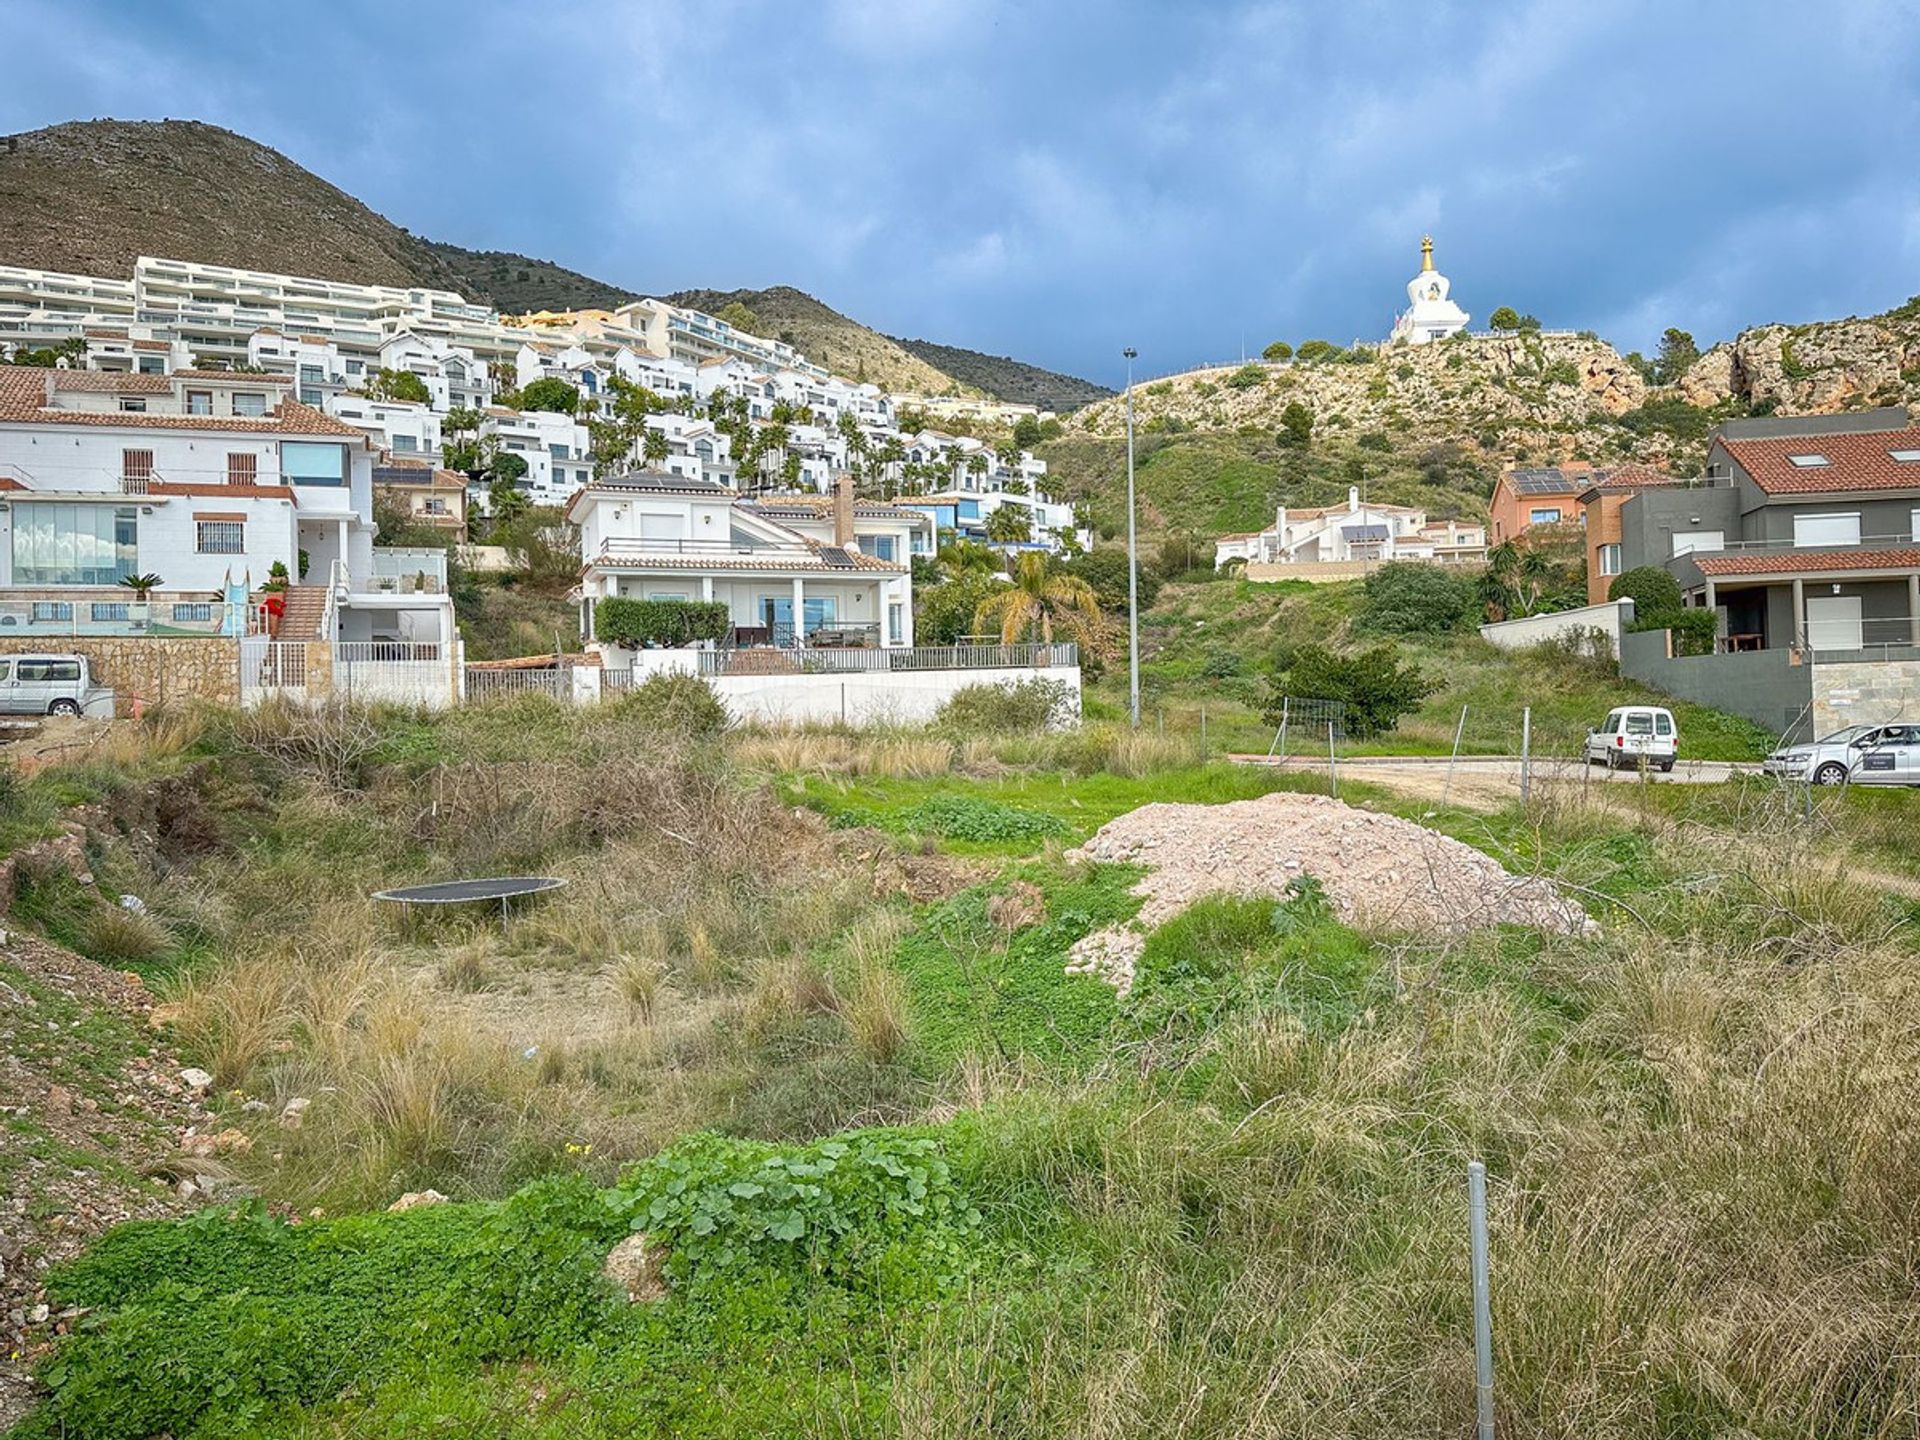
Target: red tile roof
pixel 111 382
pixel 236 377
pixel 1782 562
pixel 23 400
pixel 1860 462
pixel 101 332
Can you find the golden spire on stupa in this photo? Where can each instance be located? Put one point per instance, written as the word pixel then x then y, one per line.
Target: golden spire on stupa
pixel 1426 253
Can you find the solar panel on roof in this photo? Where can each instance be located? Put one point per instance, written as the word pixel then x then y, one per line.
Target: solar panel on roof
pixel 1361 534
pixel 1540 482
pixel 836 557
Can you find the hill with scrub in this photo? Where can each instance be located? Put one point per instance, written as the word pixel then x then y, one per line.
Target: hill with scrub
pixel 91 196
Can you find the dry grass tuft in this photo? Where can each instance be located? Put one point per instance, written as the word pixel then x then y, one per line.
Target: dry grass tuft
pixel 877 1014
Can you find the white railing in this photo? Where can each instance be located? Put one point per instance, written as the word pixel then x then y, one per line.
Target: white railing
pixel 272 669
pixel 488 684
pixel 402 672
pixel 116 613
pixel 904 658
pixel 339 586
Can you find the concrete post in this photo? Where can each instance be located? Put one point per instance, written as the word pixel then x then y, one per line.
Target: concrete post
pixel 799 609
pixel 1800 613
pixel 706 588
pixel 1913 608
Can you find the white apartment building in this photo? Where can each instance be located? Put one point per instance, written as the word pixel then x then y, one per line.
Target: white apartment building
pixel 785 572
pixel 1358 531
pixel 128 353
pixel 313 363
pixel 695 449
pixel 204 478
pixel 404 427
pixel 455 377
pixel 554 446
pixel 663 376
pixel 954 407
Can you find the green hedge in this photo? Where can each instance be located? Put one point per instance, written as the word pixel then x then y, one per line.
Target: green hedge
pixel 622 621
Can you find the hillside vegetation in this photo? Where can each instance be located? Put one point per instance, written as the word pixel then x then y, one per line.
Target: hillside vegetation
pixel 1007 378
pixel 91 196
pixel 803 1021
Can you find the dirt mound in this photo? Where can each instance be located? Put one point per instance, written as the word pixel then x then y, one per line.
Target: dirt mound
pixel 1377 870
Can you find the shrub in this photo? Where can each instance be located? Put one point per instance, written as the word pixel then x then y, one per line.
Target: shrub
pixel 1313 350
pixel 1017 707
pixel 1296 425
pixel 1246 377
pixel 968 817
pixel 675 702
pixel 1373 685
pixel 620 620
pixel 1220 664
pixel 1405 597
pixel 1694 631
pixel 1655 594
pixel 1373 440
pixel 943 614
pixel 1105 569
pixel 1278 350
pixel 1561 372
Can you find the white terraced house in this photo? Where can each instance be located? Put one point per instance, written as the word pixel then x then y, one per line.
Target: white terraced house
pixel 405 427
pixel 207 479
pixel 790 570
pixel 1358 532
pixel 455 377
pixel 554 446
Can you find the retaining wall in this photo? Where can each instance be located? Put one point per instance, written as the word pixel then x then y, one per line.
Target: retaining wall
pixel 1867 692
pixel 1765 686
pixel 170 669
pixel 1610 619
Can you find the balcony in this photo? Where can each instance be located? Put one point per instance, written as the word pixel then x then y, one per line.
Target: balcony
pixel 103 612
pixel 409 570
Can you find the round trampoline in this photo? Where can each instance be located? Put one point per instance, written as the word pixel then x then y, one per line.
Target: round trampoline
pixel 504 889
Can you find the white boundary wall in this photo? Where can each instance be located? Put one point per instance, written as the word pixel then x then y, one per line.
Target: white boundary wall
pixel 1609 619
pixel 875 697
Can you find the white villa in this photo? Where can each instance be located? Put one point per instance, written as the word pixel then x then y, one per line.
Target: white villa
pixel 1357 532
pixel 207 478
pixel 790 569
pixel 1429 315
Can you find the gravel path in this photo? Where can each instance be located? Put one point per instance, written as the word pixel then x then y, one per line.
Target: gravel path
pixel 1378 871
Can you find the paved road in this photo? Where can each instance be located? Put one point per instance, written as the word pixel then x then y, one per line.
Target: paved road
pixel 1485 768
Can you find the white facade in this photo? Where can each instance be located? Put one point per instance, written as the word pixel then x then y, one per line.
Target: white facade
pixel 553 445
pixel 775 564
pixel 406 427
pixel 106 476
pixel 1430 315
pixel 1354 532
pixel 455 377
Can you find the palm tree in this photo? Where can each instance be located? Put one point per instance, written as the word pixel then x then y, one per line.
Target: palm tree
pixel 967 557
pixel 1040 598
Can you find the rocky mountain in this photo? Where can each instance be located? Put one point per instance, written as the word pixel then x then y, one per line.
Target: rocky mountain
pixel 92 195
pixel 1007 378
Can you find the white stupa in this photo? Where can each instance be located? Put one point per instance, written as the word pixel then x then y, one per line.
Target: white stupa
pixel 1431 316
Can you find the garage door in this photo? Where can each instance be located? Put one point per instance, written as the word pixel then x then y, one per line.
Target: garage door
pixel 1833 622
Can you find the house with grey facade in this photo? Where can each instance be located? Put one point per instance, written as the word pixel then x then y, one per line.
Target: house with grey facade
pixel 1803 536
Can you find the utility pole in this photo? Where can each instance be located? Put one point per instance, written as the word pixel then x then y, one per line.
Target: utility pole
pixel 1133 565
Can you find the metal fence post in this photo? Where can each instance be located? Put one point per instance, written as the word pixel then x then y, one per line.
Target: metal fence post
pixel 1482 1306
pixel 1333 765
pixel 1526 753
pixel 1458 731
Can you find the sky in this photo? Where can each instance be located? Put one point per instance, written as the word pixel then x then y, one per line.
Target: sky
pixel 1060 179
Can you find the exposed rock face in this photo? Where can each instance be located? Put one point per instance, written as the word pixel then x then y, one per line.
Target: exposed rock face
pixel 1819 369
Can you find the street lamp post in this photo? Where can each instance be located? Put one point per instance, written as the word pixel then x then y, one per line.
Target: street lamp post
pixel 1133 565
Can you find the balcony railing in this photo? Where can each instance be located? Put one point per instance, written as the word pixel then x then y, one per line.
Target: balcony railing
pixel 409 569
pixel 91 613
pixel 620 548
pixel 1765 547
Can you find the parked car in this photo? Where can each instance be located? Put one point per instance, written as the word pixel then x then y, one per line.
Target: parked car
pixel 1857 755
pixel 1636 735
pixel 44 684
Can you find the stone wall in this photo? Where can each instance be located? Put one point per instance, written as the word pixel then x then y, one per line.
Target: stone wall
pixel 154 669
pixel 1866 692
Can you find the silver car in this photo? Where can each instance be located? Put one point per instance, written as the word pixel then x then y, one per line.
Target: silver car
pixel 1857 755
pixel 44 684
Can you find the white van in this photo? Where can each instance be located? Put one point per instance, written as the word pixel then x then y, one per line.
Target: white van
pixel 44 684
pixel 1636 735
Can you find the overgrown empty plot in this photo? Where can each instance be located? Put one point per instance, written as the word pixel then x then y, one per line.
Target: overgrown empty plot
pixel 1378 871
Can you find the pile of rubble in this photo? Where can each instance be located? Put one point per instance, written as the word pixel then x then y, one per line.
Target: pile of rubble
pixel 1378 871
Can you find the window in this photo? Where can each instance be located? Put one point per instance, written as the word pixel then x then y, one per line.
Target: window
pixel 435 507
pixel 1906 457
pixel 1609 559
pixel 311 375
pixel 1808 462
pixel 242 469
pixel 50 669
pixel 558 452
pixel 47 610
pixel 1842 529
pixel 405 444
pixel 309 396
pixel 1913 523
pixel 133 404
pixel 219 537
pixel 152 365
pixel 1663 723
pixel 73 544
pixel 199 402
pixel 248 402
pixel 108 610
pixel 136 467
pixel 354 367
pixel 186 612
pixel 303 462
pixel 1685 542
pixel 881 547
pixel 896 624
pixel 1548 515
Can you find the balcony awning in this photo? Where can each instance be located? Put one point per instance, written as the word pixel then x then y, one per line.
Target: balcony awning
pixel 1805 564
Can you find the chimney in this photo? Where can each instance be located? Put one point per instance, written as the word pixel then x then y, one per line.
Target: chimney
pixel 843 509
pixel 1353 499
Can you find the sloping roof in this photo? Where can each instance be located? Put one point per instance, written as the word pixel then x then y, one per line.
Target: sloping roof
pixel 662 481
pixel 237 377
pixel 23 396
pixel 110 382
pixel 821 507
pixel 1782 562
pixel 809 563
pixel 1858 461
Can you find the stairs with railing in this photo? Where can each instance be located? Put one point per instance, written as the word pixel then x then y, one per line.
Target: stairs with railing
pixel 306 611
